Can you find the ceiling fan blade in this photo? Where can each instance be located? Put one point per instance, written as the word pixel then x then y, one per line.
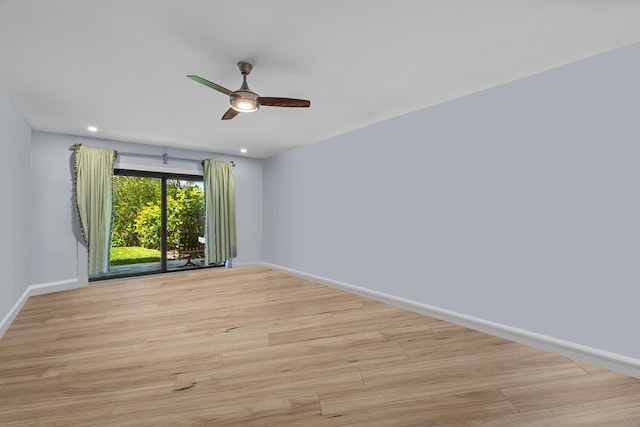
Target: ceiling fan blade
pixel 230 114
pixel 283 102
pixel 212 85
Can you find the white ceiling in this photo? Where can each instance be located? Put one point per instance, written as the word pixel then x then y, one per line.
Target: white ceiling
pixel 121 64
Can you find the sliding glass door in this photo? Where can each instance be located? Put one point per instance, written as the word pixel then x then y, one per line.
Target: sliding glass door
pixel 158 223
pixel 136 235
pixel 185 224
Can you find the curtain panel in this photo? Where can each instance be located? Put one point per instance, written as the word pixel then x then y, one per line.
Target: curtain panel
pixel 93 184
pixel 220 207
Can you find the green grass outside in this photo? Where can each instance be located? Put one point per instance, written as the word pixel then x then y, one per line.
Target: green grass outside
pixel 124 255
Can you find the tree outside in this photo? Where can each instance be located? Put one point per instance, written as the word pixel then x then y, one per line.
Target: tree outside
pixel 130 195
pixel 137 213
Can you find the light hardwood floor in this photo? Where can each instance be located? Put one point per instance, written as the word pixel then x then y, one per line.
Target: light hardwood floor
pixel 255 347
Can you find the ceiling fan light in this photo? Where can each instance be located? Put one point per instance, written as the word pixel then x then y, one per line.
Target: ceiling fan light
pixel 245 101
pixel 245 105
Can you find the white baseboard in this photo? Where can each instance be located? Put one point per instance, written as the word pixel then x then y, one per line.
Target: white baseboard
pixel 11 315
pixel 612 361
pixel 47 288
pixel 39 289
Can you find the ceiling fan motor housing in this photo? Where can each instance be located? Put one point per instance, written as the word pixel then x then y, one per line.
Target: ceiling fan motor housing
pixel 244 67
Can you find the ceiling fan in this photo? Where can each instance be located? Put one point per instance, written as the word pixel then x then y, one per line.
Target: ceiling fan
pixel 244 100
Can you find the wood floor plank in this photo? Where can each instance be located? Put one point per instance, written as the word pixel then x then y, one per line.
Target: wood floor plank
pixel 509 368
pixel 445 411
pixel 615 412
pixel 384 320
pixel 64 414
pixel 298 409
pixel 256 347
pixel 570 391
pixel 354 350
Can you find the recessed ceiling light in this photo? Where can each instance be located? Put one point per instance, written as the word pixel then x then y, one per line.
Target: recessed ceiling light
pixel 243 150
pixel 92 129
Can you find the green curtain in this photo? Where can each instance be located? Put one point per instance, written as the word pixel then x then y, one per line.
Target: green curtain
pixel 93 180
pixel 220 207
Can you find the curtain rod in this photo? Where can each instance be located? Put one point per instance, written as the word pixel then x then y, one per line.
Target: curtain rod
pixel 165 156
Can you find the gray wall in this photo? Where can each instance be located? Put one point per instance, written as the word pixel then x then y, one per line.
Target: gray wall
pixel 519 204
pixel 54 241
pixel 15 140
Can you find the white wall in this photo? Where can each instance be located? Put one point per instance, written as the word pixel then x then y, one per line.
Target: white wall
pixel 15 227
pixel 518 205
pixel 55 236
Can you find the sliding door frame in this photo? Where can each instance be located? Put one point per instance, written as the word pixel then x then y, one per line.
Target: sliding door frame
pixel 164 177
